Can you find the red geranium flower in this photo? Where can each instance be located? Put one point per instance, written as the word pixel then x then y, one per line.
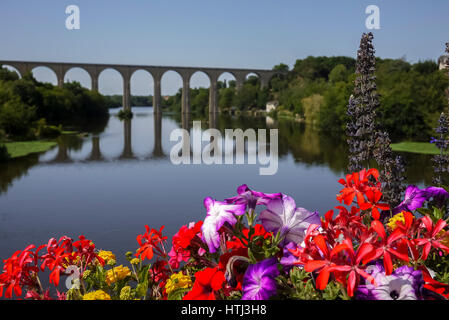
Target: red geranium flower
pixel 206 283
pixel 86 251
pixel 258 230
pixel 159 272
pixel 373 203
pixel 185 235
pixel 393 245
pixel 324 265
pixel 352 268
pixel 433 285
pixel 356 184
pixel 12 274
pixel 19 271
pixel 148 241
pixel 432 237
pixel 183 242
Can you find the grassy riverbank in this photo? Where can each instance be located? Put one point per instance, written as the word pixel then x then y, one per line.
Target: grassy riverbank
pixel 415 147
pixel 24 148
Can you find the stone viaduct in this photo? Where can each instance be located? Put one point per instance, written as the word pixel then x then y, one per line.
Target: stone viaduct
pixel 126 71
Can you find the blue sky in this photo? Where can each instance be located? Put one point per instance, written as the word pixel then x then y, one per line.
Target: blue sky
pixel 226 33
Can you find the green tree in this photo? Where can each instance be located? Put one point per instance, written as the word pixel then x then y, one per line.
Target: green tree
pixel 200 100
pixel 339 73
pixel 333 111
pixel 281 67
pixel 280 81
pixel 253 80
pixel 246 97
pixel 319 67
pixel 425 67
pixel 7 75
pixel 226 98
pixel 16 118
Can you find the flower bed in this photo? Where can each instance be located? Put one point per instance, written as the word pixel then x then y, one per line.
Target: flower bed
pixel 258 246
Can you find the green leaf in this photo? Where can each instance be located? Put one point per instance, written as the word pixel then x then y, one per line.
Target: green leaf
pixel 437 214
pixel 332 291
pixel 251 257
pixel 74 294
pixel 143 273
pixel 177 294
pixel 142 289
pixel 425 211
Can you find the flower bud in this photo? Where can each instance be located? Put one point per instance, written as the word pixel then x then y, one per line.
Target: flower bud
pixel 129 255
pixel 86 274
pixel 112 262
pixel 126 293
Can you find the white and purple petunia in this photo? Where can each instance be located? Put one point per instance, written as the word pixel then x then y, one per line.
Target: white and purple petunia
pixel 404 283
pixel 259 281
pixel 283 215
pixel 217 214
pixel 252 198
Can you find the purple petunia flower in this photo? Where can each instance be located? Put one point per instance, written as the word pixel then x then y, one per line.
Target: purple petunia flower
pixel 404 283
pixel 438 194
pixel 414 199
pixel 283 215
pixel 259 281
pixel 288 259
pixel 217 214
pixel 252 198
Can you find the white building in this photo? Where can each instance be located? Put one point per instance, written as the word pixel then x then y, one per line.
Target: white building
pixel 271 105
pixel 443 62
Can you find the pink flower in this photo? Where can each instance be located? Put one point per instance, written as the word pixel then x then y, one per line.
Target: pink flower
pixel 176 257
pixel 183 242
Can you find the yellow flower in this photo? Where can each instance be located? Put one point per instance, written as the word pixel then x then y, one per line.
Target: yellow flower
pixel 111 262
pixel 177 281
pixel 117 274
pixel 392 223
pixel 135 261
pixel 68 261
pixel 443 237
pixel 97 295
pixel 86 274
pixel 106 255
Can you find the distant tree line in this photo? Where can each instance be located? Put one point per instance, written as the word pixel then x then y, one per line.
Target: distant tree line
pixel 116 101
pixel 412 96
pixel 317 89
pixel 249 97
pixel 28 107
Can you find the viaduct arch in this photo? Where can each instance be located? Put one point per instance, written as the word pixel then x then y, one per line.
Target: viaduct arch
pixel 126 71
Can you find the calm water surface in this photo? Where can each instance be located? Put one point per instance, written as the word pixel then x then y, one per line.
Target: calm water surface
pixel 109 184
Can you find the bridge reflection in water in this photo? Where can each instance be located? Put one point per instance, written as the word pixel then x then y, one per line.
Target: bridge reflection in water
pixel 69 144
